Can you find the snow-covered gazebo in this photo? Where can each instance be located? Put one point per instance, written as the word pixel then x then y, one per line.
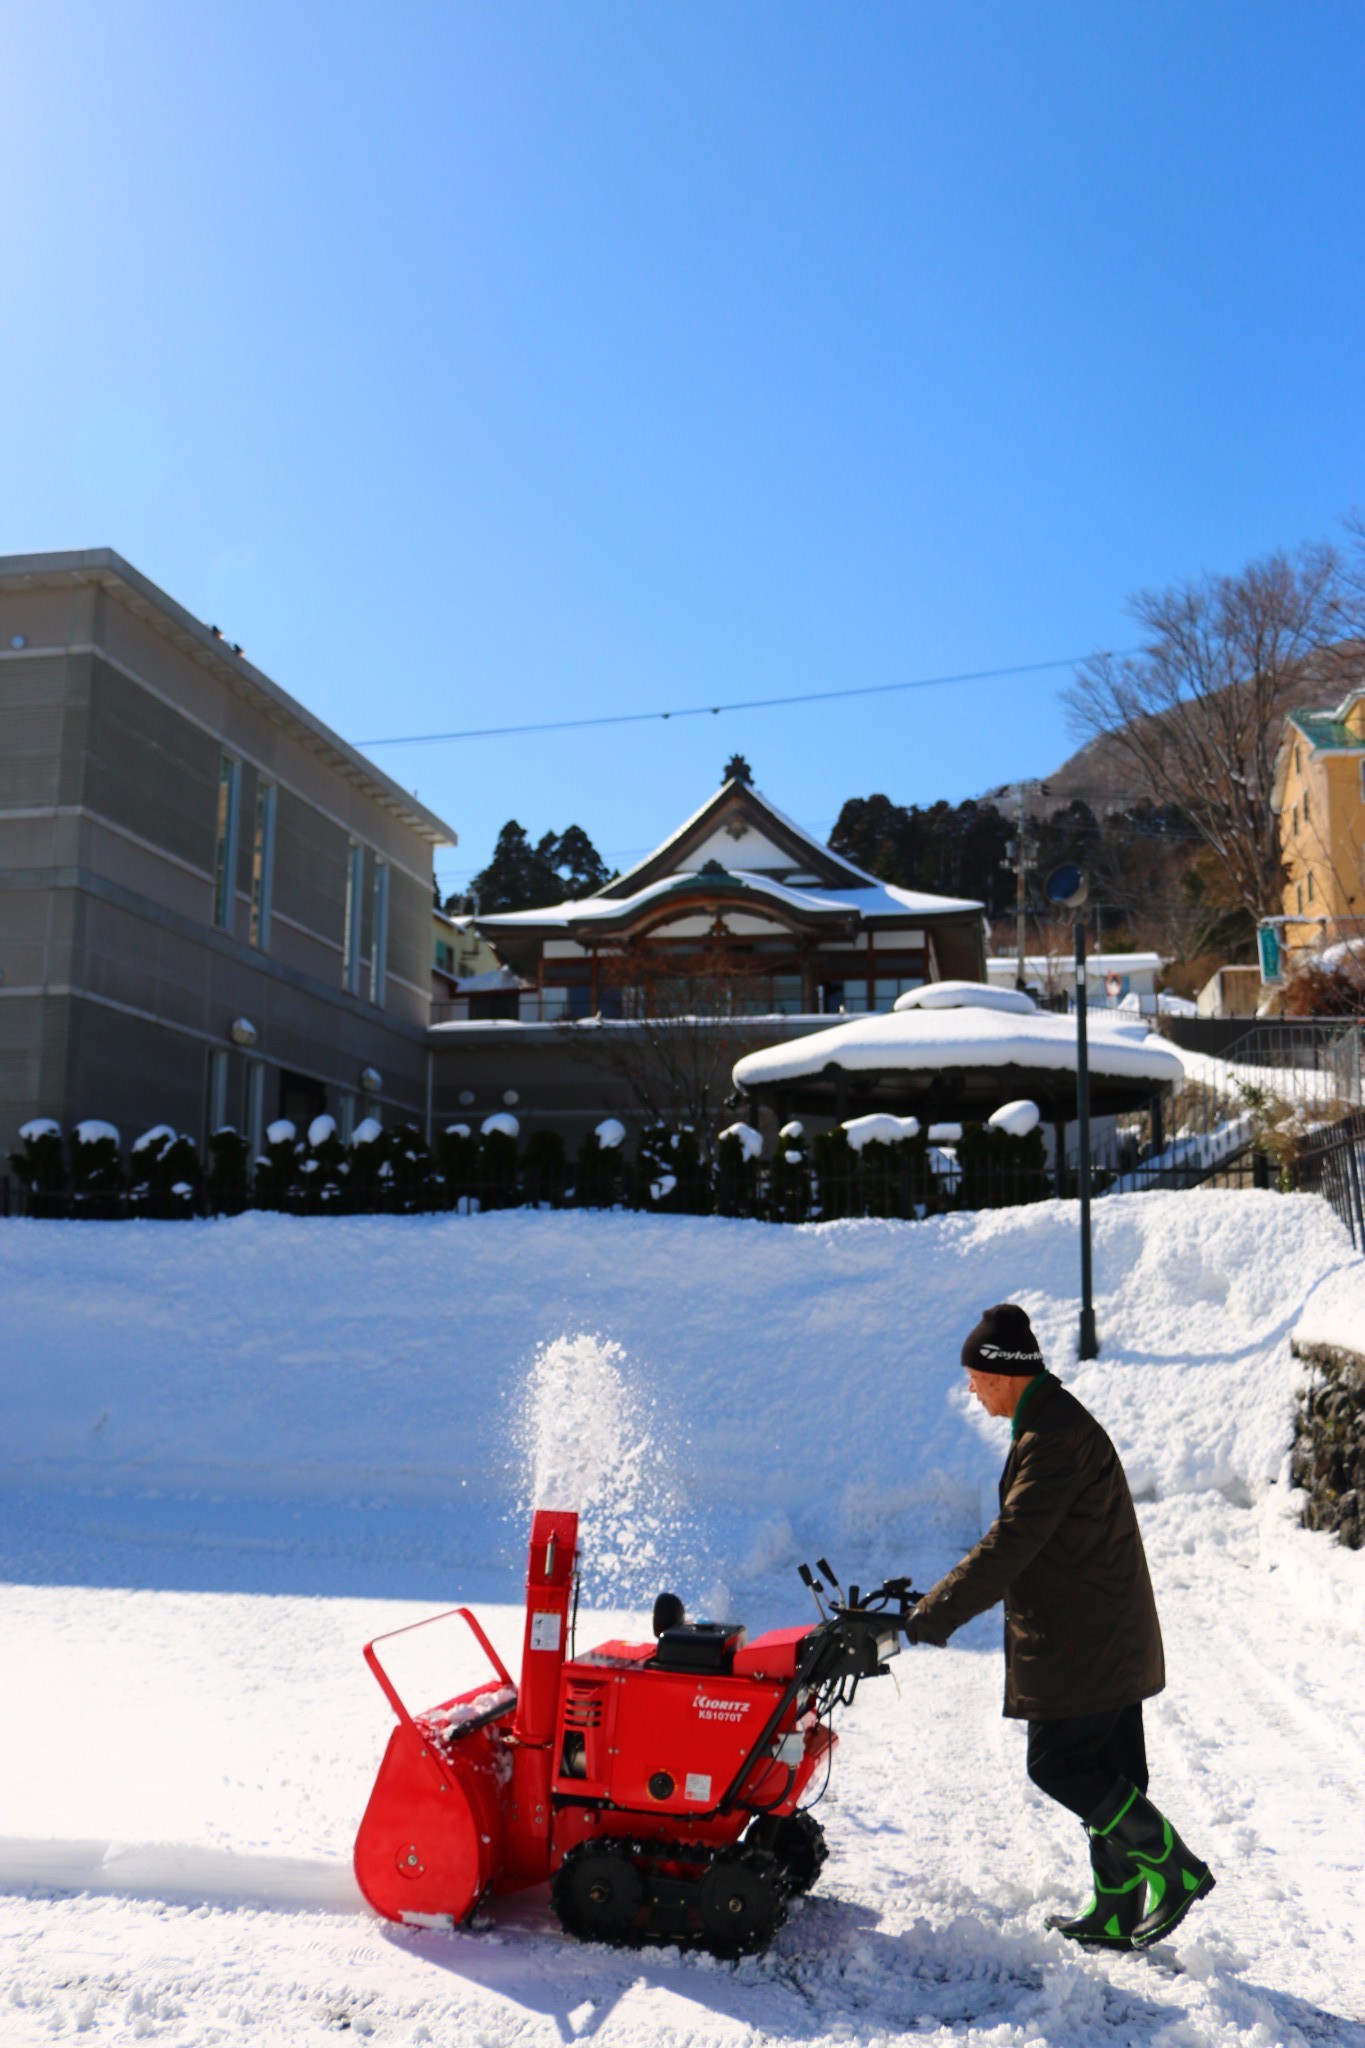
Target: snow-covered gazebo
pixel 958 1049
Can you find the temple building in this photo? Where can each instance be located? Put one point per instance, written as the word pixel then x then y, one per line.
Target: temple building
pixel 744 898
pixel 739 930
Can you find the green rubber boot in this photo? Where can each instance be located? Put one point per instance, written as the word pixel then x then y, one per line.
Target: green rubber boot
pixel 1116 1904
pixel 1175 1878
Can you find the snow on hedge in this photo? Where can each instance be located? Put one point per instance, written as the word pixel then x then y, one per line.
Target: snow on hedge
pixel 1016 1119
pixel 93 1132
pixel 159 1135
pixel 880 1128
pixel 610 1133
pixel 750 1140
pixel 499 1125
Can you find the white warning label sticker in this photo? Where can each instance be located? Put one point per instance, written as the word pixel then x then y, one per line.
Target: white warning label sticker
pixel 697 1786
pixel 544 1631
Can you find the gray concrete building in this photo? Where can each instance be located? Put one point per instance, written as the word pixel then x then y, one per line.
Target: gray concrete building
pixel 212 909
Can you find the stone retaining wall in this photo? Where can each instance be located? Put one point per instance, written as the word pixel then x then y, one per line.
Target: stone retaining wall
pixel 1329 1441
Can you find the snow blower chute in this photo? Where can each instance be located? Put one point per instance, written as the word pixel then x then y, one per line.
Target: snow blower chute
pixel 657 1785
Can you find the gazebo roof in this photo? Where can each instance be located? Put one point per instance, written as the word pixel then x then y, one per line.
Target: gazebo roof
pixel 964 1047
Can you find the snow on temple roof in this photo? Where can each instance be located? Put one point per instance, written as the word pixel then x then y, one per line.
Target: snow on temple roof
pixel 873 899
pixel 823 854
pixel 971 1035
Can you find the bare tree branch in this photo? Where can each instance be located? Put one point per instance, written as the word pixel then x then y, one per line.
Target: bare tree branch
pixel 1197 715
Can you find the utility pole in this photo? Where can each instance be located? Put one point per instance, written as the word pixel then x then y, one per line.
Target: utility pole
pixel 1021 852
pixel 1018 855
pixel 1069 887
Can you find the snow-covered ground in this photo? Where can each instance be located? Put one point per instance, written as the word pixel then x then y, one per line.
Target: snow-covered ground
pixel 231 1452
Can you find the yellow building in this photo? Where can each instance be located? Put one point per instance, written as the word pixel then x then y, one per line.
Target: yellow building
pixel 1319 794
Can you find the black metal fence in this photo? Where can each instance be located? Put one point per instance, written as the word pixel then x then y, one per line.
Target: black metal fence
pixel 1331 1163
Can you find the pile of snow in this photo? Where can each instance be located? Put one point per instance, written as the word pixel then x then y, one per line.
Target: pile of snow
pixel 1335 1311
pixel 331 1377
pixel 500 1125
pixel 1016 1119
pixel 281 1132
pixel 366 1131
pixel 39 1127
pixel 321 1129
pixel 966 995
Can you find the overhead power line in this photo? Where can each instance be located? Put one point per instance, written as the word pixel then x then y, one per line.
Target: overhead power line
pixel 496 732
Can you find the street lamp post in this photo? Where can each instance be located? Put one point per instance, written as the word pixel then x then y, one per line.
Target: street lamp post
pixel 1070 887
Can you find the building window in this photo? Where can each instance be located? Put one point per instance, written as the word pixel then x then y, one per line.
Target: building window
pixel 218 1089
pixel 255 1108
pixel 262 864
pixel 1298 896
pixel 1310 885
pixel 346 1118
pixel 355 886
pixel 379 932
pixel 1295 815
pixel 445 958
pixel 1305 807
pixel 1296 757
pixel 225 852
pixel 1362 781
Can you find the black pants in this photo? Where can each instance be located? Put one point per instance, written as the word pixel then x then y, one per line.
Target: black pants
pixel 1076 1761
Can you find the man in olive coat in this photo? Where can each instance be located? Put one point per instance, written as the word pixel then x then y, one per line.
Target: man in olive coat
pixel 1082 1640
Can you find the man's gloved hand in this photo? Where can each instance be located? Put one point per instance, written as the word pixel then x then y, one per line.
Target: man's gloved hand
pixel 920 1628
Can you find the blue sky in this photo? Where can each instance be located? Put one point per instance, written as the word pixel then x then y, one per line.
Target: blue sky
pixel 490 364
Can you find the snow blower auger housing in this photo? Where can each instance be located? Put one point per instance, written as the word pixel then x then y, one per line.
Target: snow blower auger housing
pixel 657 1785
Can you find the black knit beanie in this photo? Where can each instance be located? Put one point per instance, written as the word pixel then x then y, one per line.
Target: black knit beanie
pixel 1003 1342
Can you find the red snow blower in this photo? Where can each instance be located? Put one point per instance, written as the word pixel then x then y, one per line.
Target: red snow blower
pixel 657 1785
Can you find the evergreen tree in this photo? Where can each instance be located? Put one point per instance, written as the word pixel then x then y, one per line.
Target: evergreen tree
pixel 508 882
pixel 521 876
pixel 580 868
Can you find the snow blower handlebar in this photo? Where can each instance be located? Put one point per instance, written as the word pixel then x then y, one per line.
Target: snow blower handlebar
pixel 853 1641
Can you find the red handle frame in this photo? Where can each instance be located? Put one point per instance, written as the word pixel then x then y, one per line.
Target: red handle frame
pixel 386 1684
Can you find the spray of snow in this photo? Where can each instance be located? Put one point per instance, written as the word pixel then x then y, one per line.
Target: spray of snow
pixel 587 1438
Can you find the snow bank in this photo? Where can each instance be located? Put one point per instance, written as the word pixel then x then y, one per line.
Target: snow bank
pixel 1334 1313
pixel 798 1380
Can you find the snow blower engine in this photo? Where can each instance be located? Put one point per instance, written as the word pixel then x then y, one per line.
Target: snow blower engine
pixel 657 1785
